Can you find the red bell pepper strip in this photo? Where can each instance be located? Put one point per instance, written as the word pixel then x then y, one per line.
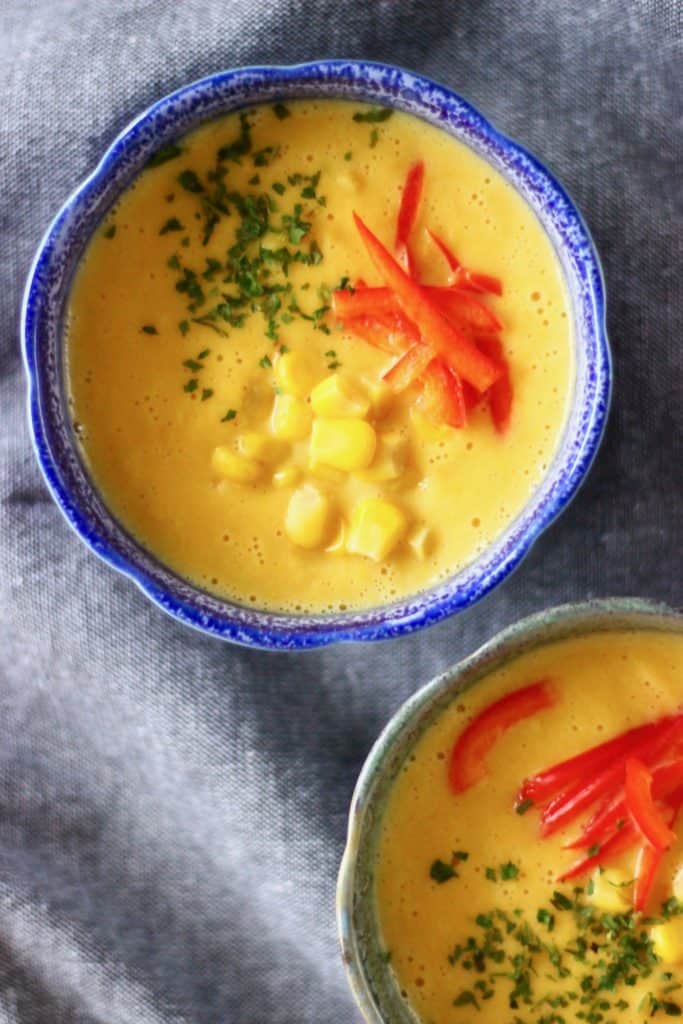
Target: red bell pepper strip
pixel 468 757
pixel 451 259
pixel 617 843
pixel 665 780
pixel 389 338
pixel 648 862
pixel 409 367
pixel 364 302
pixel 583 766
pixel 642 807
pixel 607 782
pixel 408 210
pixel 435 328
pixel 468 280
pixel 442 396
pixel 568 805
pixel 500 392
pixel 463 308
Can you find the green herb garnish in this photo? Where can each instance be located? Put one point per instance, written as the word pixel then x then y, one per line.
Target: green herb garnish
pixel 149 329
pixel 190 181
pixel 373 116
pixel 169 152
pixel 230 415
pixel 172 224
pixel 281 111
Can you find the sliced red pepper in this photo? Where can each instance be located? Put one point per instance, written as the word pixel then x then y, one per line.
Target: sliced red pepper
pixel 665 780
pixel 648 862
pixel 364 302
pixel 458 351
pixel 617 843
pixel 500 393
pixel 472 281
pixel 388 338
pixel 468 757
pixel 451 258
pixel 442 396
pixel 468 280
pixel 463 308
pixel 641 806
pixel 408 211
pixel 409 367
pixel 549 782
pixel 568 805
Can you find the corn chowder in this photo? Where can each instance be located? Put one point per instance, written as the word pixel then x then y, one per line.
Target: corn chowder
pixel 319 356
pixel 530 863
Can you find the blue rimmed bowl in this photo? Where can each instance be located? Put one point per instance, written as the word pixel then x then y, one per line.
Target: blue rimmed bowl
pixel 43 347
pixel 373 982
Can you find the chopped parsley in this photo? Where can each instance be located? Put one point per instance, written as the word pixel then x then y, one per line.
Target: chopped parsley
pixel 191 385
pixel 374 115
pixel 281 111
pixel 206 393
pixel 190 181
pixel 230 415
pixel 184 327
pixel 149 329
pixel 508 871
pixel 523 806
pixel 169 152
pixel 374 138
pixel 265 362
pixel 172 224
pixel 110 231
pixel 441 872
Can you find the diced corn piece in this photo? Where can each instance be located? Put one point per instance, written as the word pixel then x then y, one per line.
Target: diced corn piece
pixel 381 397
pixel 327 473
pixel 308 517
pixel 295 374
pixel 337 545
pixel 376 528
pixel 667 939
pixel 260 447
pixel 389 461
pixel 611 890
pixel 678 884
pixel 346 444
pixel 419 541
pixel 336 397
pixel 291 419
pixel 227 463
pixel 288 476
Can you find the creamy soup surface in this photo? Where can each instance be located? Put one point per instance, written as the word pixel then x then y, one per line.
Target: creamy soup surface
pixel 219 262
pixel 455 869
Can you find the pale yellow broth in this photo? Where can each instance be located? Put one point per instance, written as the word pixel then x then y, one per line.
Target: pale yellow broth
pixel 607 683
pixel 148 443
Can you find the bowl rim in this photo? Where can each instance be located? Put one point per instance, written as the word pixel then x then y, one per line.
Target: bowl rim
pixel 622 614
pixel 260 628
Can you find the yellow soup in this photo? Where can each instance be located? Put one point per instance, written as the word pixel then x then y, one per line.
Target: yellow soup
pixel 236 428
pixel 476 923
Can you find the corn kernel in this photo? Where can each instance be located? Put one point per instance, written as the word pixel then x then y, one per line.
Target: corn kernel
pixel 376 528
pixel 338 397
pixel 420 541
pixel 337 545
pixel 288 476
pixel 346 444
pixel 327 473
pixel 389 461
pixel 308 517
pixel 291 420
pixel 295 374
pixel 381 397
pixel 259 447
pixel 667 940
pixel 233 466
pixel 611 890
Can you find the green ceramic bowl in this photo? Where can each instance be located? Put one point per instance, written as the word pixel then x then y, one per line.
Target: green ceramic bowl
pixel 372 980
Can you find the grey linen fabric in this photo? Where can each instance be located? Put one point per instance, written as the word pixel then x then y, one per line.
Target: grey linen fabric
pixel 172 810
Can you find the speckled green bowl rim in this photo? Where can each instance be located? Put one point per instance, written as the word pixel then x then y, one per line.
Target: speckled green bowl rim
pixel 372 981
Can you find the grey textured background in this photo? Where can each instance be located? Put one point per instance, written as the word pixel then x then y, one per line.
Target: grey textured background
pixel 172 811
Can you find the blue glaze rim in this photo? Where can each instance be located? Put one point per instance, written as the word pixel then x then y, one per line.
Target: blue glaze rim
pixel 48 286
